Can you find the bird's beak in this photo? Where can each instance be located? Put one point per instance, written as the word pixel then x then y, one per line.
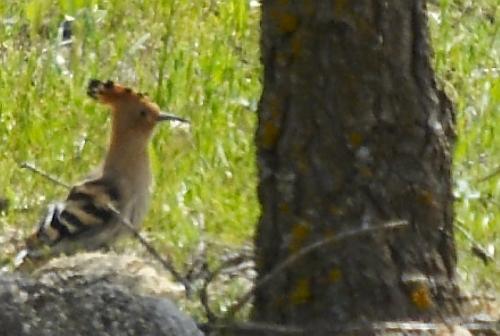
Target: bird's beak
pixel 168 117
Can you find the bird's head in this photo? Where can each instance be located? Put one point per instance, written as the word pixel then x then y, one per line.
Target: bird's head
pixel 132 111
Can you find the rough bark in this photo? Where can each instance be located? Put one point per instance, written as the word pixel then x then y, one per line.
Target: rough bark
pixel 353 133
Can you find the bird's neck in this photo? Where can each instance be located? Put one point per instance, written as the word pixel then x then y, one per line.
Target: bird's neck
pixel 128 159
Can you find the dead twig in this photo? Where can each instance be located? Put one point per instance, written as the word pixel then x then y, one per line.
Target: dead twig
pixel 33 168
pixel 494 173
pixel 476 248
pixel 226 265
pixel 302 253
pixel 199 256
pixel 154 253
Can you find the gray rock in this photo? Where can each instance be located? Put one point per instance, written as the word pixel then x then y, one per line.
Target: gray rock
pixel 29 307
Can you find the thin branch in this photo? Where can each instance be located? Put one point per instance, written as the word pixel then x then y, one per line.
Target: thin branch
pixel 198 257
pixel 165 263
pixel 302 253
pixel 494 173
pixel 31 167
pixel 211 317
pixel 478 250
pixel 198 262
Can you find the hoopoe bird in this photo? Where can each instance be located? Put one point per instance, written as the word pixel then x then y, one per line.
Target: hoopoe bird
pixel 88 218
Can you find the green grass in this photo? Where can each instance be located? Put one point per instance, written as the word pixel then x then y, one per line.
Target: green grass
pixel 466 41
pixel 200 60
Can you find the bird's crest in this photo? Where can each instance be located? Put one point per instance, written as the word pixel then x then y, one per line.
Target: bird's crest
pixel 110 92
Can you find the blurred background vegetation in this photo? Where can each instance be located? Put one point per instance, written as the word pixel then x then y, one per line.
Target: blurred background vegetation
pixel 200 60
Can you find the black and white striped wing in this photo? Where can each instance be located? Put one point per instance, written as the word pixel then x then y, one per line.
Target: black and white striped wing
pixel 86 208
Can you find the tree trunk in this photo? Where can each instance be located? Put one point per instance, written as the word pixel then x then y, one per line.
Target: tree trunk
pixel 353 133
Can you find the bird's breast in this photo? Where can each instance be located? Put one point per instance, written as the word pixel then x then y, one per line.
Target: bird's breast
pixel 136 198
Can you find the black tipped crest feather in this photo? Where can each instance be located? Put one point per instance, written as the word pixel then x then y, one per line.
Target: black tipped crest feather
pixel 94 87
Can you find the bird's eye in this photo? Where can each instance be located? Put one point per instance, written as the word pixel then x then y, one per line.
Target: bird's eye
pixel 143 113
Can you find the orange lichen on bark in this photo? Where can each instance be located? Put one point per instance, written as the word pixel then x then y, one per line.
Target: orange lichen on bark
pixel 300 233
pixel 355 139
pixel 365 171
pixel 302 164
pixel 426 197
pixel 343 11
pixel 296 44
pixel 309 7
pixel 287 22
pixel 271 126
pixel 269 135
pixel 301 292
pixel 340 7
pixel 336 210
pixel 421 297
pixel 364 27
pixel 284 207
pixel 334 275
pixel 279 302
pixel 276 107
pixel 329 232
